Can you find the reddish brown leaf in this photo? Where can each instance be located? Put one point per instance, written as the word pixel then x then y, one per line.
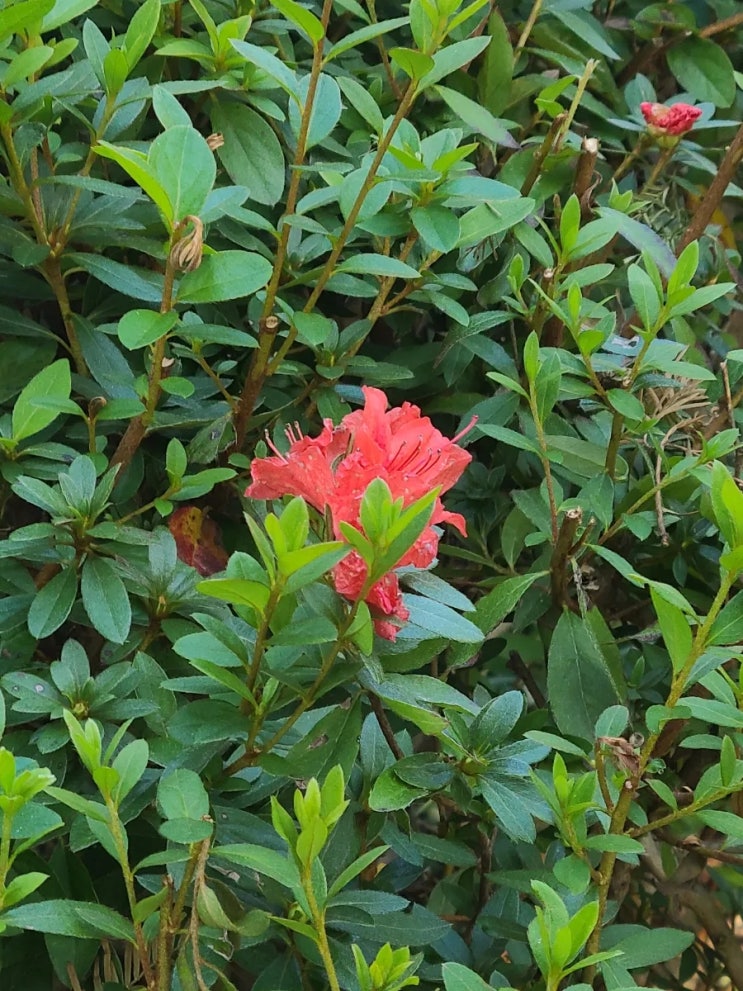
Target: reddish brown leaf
pixel 198 540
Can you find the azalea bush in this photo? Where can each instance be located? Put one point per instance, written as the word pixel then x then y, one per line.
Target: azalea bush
pixel 370 470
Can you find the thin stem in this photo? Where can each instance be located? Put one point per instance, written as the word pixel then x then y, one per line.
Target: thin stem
pixel 52 270
pixel 118 836
pixel 5 860
pixel 657 171
pixel 612 450
pixel 193 926
pixel 384 57
pixel 262 635
pixel 259 361
pixel 204 364
pixel 251 754
pixel 318 920
pixel 542 152
pixel 688 810
pixel 164 939
pixel 384 725
pixel 591 66
pixel 382 148
pixel 562 550
pixel 527 29
pixel 137 428
pixel 18 181
pixel 546 467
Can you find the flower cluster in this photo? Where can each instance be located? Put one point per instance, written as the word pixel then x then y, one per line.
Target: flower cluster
pixel 669 122
pixel 332 471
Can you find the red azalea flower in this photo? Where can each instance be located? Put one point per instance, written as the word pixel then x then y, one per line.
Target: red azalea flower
pixel 670 121
pixel 332 472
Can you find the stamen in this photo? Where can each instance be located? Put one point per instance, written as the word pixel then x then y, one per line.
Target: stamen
pixel 407 461
pixel 272 447
pixel 294 432
pixel 430 462
pixel 466 430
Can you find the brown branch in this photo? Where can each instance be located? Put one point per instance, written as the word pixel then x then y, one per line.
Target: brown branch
pixel 523 672
pixel 558 566
pixel 717 188
pixel 384 725
pixel 584 182
pixel 710 913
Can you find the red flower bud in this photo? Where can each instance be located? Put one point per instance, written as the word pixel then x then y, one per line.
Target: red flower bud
pixel 671 121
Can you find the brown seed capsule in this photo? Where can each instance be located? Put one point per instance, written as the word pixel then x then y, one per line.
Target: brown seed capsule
pixel 215 140
pixel 186 254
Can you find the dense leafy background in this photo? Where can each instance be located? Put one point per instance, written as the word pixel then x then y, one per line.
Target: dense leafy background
pixel 221 218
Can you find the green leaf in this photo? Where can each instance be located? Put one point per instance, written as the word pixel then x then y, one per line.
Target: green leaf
pixel 182 163
pixel 326 109
pixel 475 116
pixel 452 57
pixel 251 152
pixel 257 858
pixel 389 793
pixel 21 887
pixel 63 11
pixel 138 328
pixel 414 64
pixel 225 275
pixel 509 808
pixel 641 237
pixel 85 920
pixel 140 31
pixel 381 265
pixel 106 600
pixel 491 218
pixel 727 504
pixel 304 19
pixel 579 684
pixel 494 78
pixel 17 17
pixel 362 101
pixel 137 165
pixel 643 947
pixel 181 795
pixel 355 868
pixel 438 226
pixel 52 604
pixel 25 64
pixel 441 621
pixel 89 808
pixel 130 764
pixel 727 823
pixel 52 383
pixel 585 27
pixel 728 627
pixel 703 69
pixel 675 629
pixel 238 591
pixel 457 977
pixel 268 63
pixel 367 33
pixel 509 436
pixel 644 295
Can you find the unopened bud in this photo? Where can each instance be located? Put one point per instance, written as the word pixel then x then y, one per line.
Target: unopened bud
pixel 95 405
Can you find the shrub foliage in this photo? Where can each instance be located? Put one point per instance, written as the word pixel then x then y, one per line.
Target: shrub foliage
pixel 516 766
